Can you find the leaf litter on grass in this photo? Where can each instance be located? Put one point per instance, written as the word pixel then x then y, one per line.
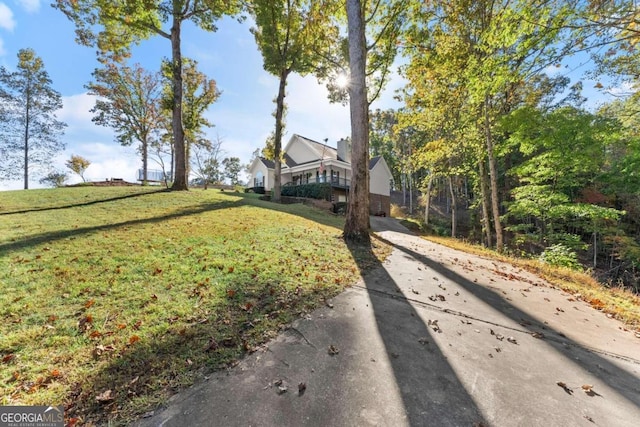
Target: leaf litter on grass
pixel 132 287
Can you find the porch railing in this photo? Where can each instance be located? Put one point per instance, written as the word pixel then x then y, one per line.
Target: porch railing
pixel 333 180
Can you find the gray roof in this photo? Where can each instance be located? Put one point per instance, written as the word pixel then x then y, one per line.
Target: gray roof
pixel 270 164
pixel 373 161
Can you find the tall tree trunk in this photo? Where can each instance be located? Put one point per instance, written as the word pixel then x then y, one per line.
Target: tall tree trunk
pixel 484 193
pixel 410 193
pixel 180 181
pixel 493 176
pixel 356 226
pixel 277 143
pixel 454 211
pixel 427 202
pixel 27 119
pixel 145 156
pixel 595 249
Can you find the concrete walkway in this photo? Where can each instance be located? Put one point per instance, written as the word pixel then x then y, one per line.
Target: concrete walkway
pixel 433 337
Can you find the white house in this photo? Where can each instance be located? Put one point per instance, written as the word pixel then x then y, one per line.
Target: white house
pixel 307 161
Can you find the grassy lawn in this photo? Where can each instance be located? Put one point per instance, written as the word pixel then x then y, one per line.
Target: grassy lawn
pixel 112 299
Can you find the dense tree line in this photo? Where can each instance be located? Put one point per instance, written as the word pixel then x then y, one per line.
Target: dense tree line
pixel 490 122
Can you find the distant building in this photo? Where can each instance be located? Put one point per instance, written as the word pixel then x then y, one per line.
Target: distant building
pixel 308 161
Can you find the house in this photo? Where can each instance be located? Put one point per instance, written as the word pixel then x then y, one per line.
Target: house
pixel 308 161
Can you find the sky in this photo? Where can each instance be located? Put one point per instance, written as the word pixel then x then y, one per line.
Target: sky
pixel 242 115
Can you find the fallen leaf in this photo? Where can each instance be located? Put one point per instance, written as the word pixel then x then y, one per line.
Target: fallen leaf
pixel 302 387
pixel 564 386
pixel 333 350
pixel 282 389
pixel 512 340
pixel 212 345
pixel 104 397
pixel 134 339
pixel 423 341
pixel 415 292
pixel 559 310
pixel 231 293
pixel 588 418
pixel 8 358
pixel 587 388
pixel 89 303
pixel 537 335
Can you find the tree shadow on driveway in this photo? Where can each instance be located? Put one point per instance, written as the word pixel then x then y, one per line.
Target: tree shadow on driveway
pixel 555 355
pixel 431 391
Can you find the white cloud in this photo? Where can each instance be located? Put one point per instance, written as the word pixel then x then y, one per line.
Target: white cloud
pixel 6 18
pixel 30 6
pixel 76 108
pixel 2 51
pixel 623 89
pixel 108 160
pixel 553 70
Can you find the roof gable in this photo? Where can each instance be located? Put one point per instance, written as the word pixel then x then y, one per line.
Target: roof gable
pixel 305 150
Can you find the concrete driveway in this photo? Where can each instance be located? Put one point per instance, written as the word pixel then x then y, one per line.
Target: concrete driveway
pixel 432 337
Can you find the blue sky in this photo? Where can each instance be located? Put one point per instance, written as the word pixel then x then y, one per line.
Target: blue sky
pixel 242 115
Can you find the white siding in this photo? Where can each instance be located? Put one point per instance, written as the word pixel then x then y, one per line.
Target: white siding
pixel 380 179
pixel 258 166
pixel 300 152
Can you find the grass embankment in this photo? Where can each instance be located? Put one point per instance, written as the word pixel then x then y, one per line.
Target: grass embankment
pixel 615 301
pixel 112 299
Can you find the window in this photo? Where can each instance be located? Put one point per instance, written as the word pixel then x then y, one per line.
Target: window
pixel 258 180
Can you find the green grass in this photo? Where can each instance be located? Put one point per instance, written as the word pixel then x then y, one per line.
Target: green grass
pixel 112 299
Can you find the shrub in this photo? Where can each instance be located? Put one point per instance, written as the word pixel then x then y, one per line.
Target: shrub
pixel 313 191
pixel 340 208
pixel 396 211
pixel 560 256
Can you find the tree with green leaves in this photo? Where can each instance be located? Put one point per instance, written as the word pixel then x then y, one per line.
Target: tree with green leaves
pixel 199 93
pixel 232 168
pixel 112 27
pixel 54 179
pixel 289 34
pixel 206 163
pixel 383 137
pixel 78 165
pixel 29 130
pixel 483 52
pixel 128 101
